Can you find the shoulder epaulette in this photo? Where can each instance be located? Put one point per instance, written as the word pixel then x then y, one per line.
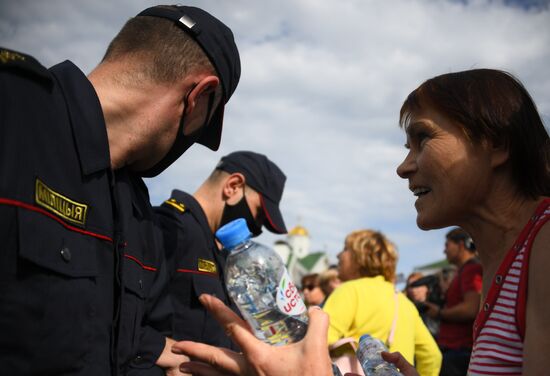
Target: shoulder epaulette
pixel 13 60
pixel 179 206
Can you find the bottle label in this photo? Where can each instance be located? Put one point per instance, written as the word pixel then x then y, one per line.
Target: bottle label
pixel 289 300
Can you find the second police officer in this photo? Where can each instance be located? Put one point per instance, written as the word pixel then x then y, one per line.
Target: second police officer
pixel 244 184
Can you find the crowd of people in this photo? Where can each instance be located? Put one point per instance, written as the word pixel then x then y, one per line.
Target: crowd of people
pixel 94 280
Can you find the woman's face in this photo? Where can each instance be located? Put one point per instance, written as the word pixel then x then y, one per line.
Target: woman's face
pixel 313 295
pixel 449 175
pixel 348 268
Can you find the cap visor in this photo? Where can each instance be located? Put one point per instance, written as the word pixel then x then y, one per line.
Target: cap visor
pixel 211 136
pixel 274 219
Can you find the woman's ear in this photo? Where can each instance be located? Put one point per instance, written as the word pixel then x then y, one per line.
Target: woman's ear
pixel 499 154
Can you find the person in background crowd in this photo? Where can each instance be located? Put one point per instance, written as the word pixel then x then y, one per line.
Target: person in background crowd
pixel 329 281
pixel 446 276
pixel 419 293
pixel 80 257
pixel 368 303
pixel 311 288
pixel 462 300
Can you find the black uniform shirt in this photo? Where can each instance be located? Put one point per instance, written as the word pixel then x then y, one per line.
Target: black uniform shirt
pixel 195 266
pixel 78 254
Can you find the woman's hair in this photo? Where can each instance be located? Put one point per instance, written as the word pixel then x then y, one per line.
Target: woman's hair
pixel 325 278
pixel 414 276
pixel 492 105
pixel 374 254
pixel 311 280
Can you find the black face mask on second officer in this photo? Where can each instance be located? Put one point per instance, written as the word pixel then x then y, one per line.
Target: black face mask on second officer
pixel 183 141
pixel 241 210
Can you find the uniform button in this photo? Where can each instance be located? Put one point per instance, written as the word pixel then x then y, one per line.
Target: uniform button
pixel 140 284
pixel 486 307
pixel 498 279
pixel 66 254
pixel 138 359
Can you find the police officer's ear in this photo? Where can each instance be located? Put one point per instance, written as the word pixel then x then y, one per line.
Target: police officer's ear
pixel 201 90
pixel 233 187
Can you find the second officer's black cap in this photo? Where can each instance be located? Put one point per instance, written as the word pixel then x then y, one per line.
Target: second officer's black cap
pixel 265 177
pixel 218 43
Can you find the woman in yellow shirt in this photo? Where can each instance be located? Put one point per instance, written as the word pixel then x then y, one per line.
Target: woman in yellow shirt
pixel 367 302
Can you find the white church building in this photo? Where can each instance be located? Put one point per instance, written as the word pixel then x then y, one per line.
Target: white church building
pixel 295 252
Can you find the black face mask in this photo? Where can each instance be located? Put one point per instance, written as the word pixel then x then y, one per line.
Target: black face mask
pixel 181 143
pixel 241 210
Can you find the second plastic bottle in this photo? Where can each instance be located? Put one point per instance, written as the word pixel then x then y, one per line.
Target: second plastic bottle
pixel 259 284
pixel 369 355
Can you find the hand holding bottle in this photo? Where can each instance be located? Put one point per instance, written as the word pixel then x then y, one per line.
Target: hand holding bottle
pixel 400 362
pixel 306 357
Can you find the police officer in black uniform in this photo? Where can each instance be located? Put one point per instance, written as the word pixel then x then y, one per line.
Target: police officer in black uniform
pixel 244 184
pixel 81 259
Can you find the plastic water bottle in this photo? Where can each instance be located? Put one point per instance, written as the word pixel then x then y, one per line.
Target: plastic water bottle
pixel 371 361
pixel 259 284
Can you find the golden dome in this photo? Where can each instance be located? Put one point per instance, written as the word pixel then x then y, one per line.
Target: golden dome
pixel 298 230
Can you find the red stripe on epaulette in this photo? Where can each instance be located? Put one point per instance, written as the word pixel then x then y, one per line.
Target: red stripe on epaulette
pixel 6 201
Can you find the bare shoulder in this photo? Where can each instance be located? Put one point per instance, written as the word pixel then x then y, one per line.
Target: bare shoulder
pixel 537 330
pixel 539 267
pixel 540 254
pixel 538 294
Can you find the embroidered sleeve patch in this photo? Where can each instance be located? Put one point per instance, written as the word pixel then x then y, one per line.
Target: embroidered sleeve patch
pixel 70 210
pixel 207 266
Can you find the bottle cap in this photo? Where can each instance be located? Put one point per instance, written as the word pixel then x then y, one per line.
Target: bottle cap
pixel 233 233
pixel 365 337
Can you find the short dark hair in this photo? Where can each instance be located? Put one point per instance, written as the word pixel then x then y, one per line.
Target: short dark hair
pixel 167 53
pixel 492 105
pixel 458 235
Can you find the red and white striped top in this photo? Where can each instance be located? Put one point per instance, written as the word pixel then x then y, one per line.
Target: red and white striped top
pixel 500 325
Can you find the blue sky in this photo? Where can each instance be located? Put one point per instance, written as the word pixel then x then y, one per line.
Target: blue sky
pixel 320 92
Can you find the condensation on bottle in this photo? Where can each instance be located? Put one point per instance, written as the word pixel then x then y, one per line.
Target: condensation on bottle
pixel 369 355
pixel 259 284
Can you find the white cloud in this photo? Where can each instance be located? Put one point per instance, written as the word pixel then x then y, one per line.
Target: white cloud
pixel 320 93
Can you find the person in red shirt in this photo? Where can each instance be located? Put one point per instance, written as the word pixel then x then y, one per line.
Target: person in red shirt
pixel 462 301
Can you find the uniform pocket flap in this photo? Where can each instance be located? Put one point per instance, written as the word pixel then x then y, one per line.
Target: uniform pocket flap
pixel 49 244
pixel 208 284
pixel 137 276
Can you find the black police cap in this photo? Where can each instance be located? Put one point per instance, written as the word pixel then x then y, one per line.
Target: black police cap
pixel 217 42
pixel 265 178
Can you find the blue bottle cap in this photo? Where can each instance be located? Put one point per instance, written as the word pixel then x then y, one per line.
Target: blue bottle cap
pixel 233 233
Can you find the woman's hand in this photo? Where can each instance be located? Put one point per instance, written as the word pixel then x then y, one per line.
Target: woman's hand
pixel 400 362
pixel 307 357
